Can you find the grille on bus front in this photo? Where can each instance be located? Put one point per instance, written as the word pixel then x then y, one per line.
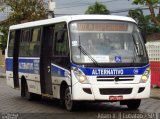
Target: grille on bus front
pixel 115 91
pixel 115 78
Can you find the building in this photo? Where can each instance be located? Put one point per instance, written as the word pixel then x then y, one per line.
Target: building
pixel 153 49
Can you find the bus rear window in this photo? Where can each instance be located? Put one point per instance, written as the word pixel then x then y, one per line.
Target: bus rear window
pixel 11 43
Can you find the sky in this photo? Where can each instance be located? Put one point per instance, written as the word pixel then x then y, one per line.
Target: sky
pixel 80 6
pixel 67 7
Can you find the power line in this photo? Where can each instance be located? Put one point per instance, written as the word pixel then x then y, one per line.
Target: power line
pixel 71 2
pixel 86 4
pixel 126 10
pixel 116 11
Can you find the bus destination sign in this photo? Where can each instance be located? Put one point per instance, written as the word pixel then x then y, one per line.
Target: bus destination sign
pixel 102 27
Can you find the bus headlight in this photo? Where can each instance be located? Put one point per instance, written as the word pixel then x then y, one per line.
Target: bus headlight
pixel 80 75
pixel 145 76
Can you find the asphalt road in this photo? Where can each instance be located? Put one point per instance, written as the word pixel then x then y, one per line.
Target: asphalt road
pixel 12 106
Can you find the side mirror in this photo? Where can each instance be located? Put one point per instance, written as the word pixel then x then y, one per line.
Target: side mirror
pixel 60 36
pixel 143 34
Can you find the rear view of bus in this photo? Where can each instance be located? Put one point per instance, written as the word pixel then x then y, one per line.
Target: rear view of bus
pixel 109 62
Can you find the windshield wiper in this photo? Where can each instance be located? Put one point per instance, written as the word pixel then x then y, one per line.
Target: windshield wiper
pixel 136 51
pixel 86 53
pixel 135 44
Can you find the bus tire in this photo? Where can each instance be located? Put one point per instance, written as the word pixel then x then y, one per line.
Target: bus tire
pixel 70 105
pixel 37 97
pixel 133 104
pixel 22 87
pixel 28 95
pixel 62 94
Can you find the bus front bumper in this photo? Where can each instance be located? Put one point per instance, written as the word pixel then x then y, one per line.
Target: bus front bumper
pixel 88 92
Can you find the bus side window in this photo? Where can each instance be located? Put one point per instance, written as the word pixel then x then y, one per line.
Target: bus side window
pixel 24 43
pixel 34 46
pixel 61 45
pixel 11 43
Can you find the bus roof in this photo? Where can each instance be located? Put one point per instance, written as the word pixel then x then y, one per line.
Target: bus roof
pixel 70 18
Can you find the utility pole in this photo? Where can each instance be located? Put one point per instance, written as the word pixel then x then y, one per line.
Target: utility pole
pixel 51 8
pixel 159 6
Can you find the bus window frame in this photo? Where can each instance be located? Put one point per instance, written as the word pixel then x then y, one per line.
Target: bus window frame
pixel 103 64
pixel 55 56
pixel 9 40
pixel 39 37
pixel 24 41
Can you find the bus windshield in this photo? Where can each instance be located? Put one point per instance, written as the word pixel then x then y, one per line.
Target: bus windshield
pixel 106 42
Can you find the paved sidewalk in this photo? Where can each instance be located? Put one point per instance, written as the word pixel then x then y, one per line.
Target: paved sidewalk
pixel 2 72
pixel 155 92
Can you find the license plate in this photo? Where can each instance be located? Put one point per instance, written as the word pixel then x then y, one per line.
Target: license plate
pixel 115 98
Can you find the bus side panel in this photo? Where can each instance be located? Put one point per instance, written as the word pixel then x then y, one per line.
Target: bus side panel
pixel 9 72
pixel 29 69
pixel 59 75
pixel 12 58
pixel 9 64
pixel 9 79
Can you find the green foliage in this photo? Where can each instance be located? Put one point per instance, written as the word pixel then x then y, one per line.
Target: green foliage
pixel 97 8
pixel 3 38
pixel 151 5
pixel 144 22
pixel 142 2
pixel 138 16
pixel 25 10
pixel 21 11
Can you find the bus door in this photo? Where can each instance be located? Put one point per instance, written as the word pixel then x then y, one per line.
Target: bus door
pixel 12 65
pixel 45 60
pixel 15 59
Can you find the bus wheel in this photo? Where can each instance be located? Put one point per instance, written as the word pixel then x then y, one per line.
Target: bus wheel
pixel 133 104
pixel 69 103
pixel 23 87
pixel 28 95
pixel 25 93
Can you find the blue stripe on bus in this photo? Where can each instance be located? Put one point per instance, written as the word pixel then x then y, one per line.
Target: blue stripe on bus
pixel 25 65
pixel 57 71
pixel 9 64
pixel 32 66
pixel 112 71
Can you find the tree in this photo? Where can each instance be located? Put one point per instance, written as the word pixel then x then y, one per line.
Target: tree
pixel 1 5
pixel 25 10
pixel 139 17
pixel 97 8
pixel 1 2
pixel 3 40
pixel 151 5
pixel 20 11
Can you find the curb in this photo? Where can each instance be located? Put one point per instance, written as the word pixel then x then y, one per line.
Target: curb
pixel 155 93
pixel 3 76
pixel 154 97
